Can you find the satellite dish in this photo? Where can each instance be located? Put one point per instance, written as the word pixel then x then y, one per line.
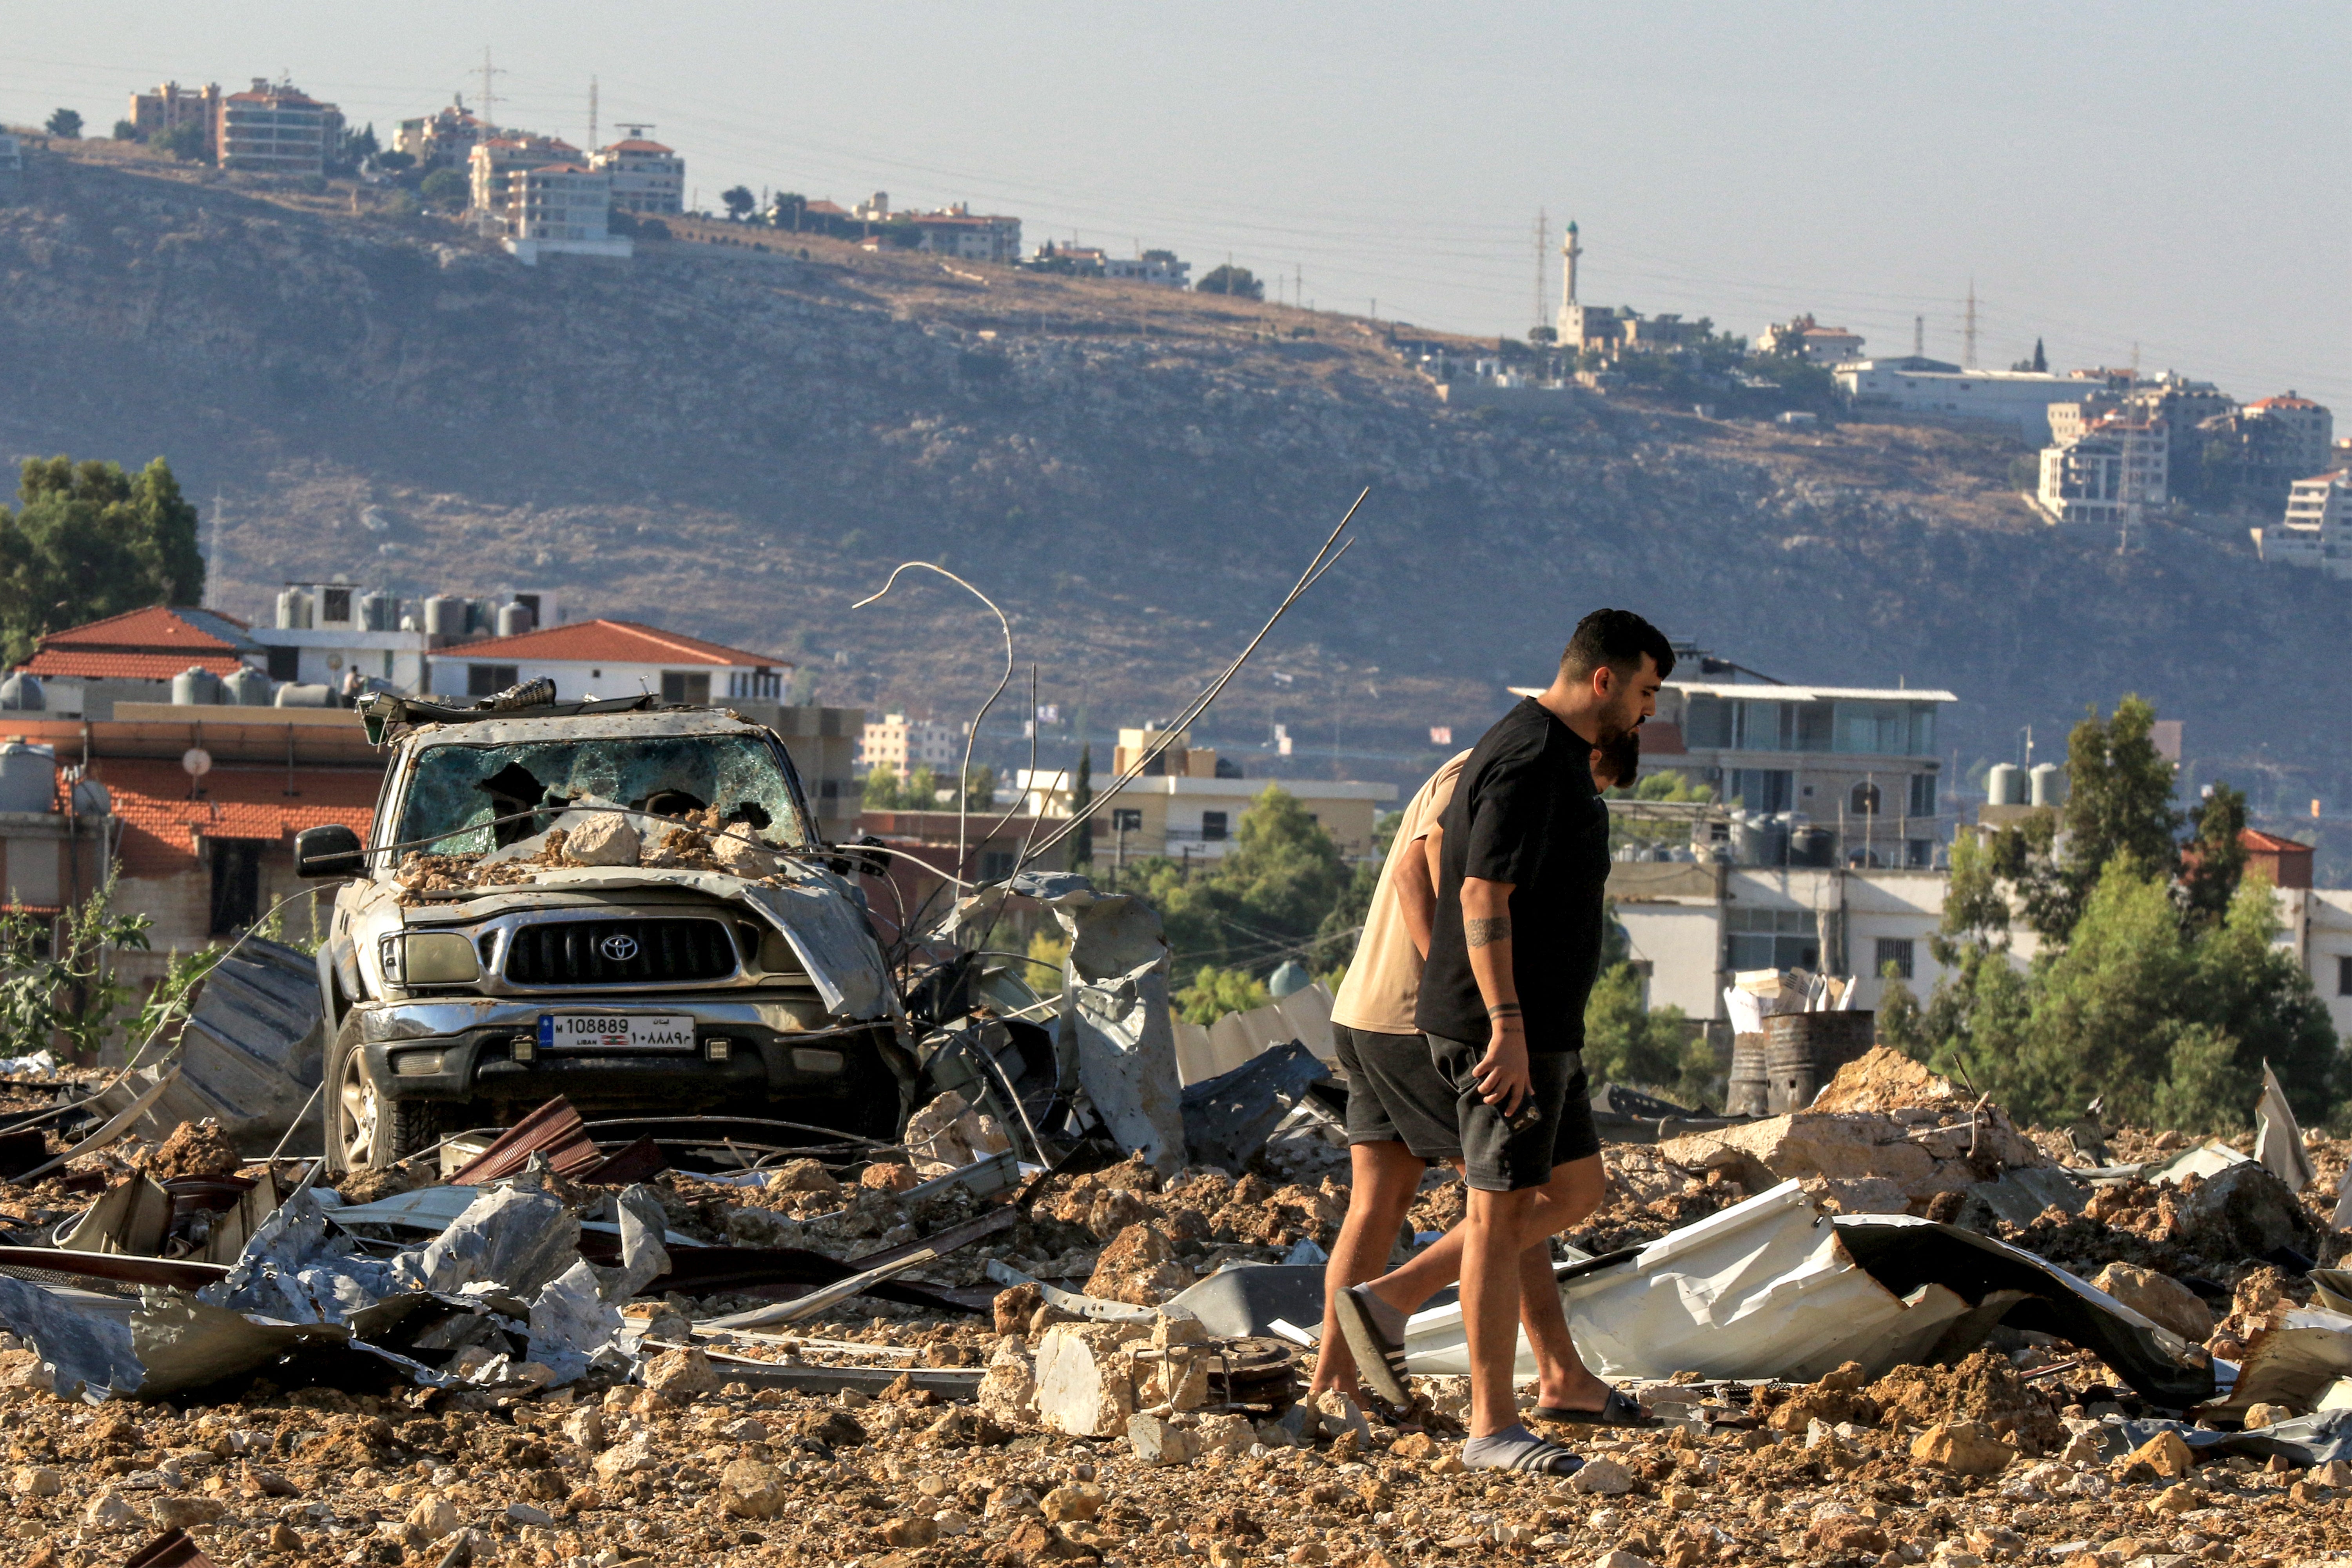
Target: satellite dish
pixel 196 761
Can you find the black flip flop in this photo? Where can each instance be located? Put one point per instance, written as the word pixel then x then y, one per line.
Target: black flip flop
pixel 1620 1409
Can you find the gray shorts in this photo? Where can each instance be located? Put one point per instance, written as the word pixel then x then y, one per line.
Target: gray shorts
pixel 1394 1095
pixel 1496 1159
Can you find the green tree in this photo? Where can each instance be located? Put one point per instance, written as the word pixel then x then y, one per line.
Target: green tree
pixel 1082 795
pixel 446 190
pixel 91 542
pixel 2215 859
pixel 740 201
pixel 1231 281
pixel 2118 802
pixel 1656 1050
pixel 1217 992
pixel 188 143
pixel 65 124
pixel 1265 901
pixel 124 131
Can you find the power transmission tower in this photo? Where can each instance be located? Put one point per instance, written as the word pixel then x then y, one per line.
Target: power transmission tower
pixel 1543 234
pixel 489 98
pixel 1969 358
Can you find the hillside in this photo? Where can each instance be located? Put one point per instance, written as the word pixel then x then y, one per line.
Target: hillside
pixel 740 442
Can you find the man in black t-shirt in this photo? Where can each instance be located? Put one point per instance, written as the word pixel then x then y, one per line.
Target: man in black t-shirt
pixel 1515 947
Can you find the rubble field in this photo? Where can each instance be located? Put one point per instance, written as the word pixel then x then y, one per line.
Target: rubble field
pixel 1100 1426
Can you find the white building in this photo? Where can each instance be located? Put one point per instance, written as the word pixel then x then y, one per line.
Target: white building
pixel 610 659
pixel 1859 762
pixel 1195 815
pixel 560 209
pixel 322 632
pixel 2019 399
pixel 646 176
pixel 1160 266
pixel 2317 529
pixel 2115 464
pixel 1693 927
pixel 1805 336
pixel 903 744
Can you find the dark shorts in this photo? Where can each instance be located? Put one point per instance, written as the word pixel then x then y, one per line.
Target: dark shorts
pixel 1394 1095
pixel 1498 1160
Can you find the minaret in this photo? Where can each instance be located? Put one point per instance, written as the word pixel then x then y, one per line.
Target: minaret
pixel 1570 329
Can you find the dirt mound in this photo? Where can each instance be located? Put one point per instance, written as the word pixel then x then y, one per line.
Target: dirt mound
pixel 1984 1387
pixel 1883 1080
pixel 194 1148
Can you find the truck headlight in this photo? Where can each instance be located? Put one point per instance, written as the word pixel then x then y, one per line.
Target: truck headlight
pixel 430 958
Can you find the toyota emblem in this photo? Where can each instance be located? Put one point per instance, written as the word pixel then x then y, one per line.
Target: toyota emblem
pixel 619 947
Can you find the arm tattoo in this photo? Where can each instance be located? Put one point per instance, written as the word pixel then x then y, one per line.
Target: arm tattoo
pixel 1483 933
pixel 1504 1010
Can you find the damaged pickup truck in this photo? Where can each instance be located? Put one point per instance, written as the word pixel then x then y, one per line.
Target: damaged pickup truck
pixel 618 903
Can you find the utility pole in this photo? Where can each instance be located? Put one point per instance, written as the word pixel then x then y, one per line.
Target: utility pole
pixel 592 114
pixel 489 97
pixel 1298 283
pixel 1543 237
pixel 1918 337
pixel 1968 359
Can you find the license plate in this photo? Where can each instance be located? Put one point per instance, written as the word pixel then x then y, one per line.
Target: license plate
pixel 615 1031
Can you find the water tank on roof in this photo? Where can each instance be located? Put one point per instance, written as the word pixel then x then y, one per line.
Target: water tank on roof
pixel 1813 847
pixel 21 693
pixel 247 688
pixel 195 686
pixel 293 610
pixel 1292 976
pixel 293 695
pixel 2001 786
pixel 375 611
pixel 2047 783
pixel 91 798
pixel 28 777
pixel 514 620
pixel 445 617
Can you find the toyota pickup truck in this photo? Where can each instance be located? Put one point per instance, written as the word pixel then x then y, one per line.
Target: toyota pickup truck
pixel 620 902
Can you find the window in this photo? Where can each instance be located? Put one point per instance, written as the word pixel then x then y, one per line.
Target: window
pixel 995 865
pixel 1213 825
pixel 1893 958
pixel 285 664
pixel 237 884
pixel 1862 799
pixel 681 686
pixel 2344 976
pixel 1762 789
pixel 1923 795
pixel 488 679
pixel 334 604
pixel 1125 819
pixel 1770 939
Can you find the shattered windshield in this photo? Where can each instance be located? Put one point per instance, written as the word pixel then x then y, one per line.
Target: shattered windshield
pixel 457 793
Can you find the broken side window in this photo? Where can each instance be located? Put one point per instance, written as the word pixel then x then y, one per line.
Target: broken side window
pixel 456 791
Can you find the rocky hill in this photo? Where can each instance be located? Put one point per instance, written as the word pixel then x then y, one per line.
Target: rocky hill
pixel 741 441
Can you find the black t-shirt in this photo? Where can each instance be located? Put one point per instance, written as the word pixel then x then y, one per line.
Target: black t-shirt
pixel 1525 812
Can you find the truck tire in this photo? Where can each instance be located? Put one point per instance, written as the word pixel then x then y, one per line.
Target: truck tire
pixel 367 1129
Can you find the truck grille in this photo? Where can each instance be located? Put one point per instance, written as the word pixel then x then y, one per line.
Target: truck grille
pixel 623 951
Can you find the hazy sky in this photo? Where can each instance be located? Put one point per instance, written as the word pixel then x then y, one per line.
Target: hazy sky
pixel 2167 176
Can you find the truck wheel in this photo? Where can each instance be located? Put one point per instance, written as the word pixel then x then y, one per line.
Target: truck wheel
pixel 368 1129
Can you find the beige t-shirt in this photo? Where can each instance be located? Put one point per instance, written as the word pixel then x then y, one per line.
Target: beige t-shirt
pixel 1384 983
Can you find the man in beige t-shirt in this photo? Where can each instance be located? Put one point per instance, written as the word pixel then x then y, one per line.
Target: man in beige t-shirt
pixel 1393 1135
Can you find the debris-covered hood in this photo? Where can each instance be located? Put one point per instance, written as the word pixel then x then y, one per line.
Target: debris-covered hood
pixel 815 911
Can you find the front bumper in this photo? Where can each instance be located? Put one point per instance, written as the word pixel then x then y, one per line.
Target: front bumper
pixel 461 1051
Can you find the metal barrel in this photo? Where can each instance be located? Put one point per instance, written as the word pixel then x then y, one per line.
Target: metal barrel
pixel 1748 1091
pixel 1802 1051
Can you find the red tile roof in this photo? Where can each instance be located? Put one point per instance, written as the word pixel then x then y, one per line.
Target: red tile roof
pixel 2290 401
pixel 607 642
pixel 161 824
pixel 159 628
pixel 153 644
pixel 100 666
pixel 2262 843
pixel 637 144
